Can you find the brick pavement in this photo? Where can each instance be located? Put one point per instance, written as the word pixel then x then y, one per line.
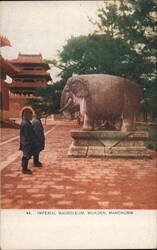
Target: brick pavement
pixel 8 133
pixel 11 147
pixel 79 183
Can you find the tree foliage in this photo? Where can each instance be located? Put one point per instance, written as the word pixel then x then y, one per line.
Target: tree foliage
pixel 135 22
pixel 47 98
pixel 123 44
pixel 101 54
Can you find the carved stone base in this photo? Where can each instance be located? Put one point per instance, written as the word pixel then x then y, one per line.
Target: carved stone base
pixel 108 144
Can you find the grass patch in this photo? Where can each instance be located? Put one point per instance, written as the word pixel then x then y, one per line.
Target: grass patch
pixel 151 142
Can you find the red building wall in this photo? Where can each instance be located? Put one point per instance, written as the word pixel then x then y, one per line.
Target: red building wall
pixel 4 89
pixel 17 103
pixel 5 94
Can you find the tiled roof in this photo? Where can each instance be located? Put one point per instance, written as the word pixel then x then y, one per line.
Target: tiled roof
pixel 7 67
pixel 27 85
pixel 34 73
pixel 24 58
pixel 30 59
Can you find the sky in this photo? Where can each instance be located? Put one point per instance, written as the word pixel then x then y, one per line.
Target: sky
pixel 35 27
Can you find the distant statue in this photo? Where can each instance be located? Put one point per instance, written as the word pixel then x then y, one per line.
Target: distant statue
pixel 102 97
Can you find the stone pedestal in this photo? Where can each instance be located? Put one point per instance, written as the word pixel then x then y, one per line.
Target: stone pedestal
pixel 108 144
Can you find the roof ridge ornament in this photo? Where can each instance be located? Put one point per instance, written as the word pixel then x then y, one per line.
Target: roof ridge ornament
pixel 4 41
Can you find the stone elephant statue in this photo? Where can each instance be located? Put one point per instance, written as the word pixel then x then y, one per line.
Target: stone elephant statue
pixel 101 97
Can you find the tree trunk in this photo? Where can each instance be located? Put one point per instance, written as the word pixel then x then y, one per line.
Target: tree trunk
pixel 152 116
pixel 145 116
pixel 45 120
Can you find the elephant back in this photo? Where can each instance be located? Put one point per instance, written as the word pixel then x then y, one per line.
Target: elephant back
pixel 104 92
pixel 97 84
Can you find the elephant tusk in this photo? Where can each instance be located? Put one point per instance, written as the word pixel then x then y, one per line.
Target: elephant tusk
pixel 66 105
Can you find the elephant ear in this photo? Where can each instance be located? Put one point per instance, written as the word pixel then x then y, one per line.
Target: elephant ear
pixel 79 88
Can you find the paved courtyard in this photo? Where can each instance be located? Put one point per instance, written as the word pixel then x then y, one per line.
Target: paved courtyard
pixel 76 183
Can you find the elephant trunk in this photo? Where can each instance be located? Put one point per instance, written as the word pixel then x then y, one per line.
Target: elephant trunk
pixel 69 102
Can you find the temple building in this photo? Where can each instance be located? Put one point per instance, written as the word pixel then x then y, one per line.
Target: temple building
pixel 6 69
pixel 10 70
pixel 32 74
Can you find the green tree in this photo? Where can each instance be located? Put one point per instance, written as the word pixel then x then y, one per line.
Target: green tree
pixel 123 44
pixel 99 54
pixel 47 98
pixel 135 22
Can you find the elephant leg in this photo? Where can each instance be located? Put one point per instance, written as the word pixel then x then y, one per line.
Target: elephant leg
pixel 133 127
pixel 125 125
pixel 88 123
pixel 128 123
pixel 118 124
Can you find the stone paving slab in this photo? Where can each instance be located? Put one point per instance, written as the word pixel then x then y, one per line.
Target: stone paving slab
pixel 8 133
pixel 11 147
pixel 79 183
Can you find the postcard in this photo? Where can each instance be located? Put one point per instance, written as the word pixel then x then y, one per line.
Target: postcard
pixel 78 125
